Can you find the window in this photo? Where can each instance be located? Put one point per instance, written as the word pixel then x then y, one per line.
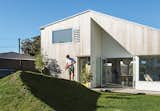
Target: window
pixel 62 36
pixel 149 68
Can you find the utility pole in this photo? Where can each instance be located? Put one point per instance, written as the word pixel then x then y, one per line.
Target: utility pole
pixel 19 45
pixel 19 48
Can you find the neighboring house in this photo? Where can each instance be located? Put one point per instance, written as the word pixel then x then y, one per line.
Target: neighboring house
pixel 16 61
pixel 118 51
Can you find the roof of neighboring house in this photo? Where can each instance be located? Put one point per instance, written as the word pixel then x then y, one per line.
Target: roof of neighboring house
pixel 42 27
pixel 15 56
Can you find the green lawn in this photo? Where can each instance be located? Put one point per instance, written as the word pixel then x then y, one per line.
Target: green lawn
pixel 128 102
pixel 28 91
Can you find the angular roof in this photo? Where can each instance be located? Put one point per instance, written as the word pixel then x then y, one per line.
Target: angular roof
pixel 80 13
pixel 15 56
pixel 136 38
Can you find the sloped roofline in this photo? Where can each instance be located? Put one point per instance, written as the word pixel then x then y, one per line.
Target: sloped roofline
pixel 80 13
pixel 125 20
pixel 69 17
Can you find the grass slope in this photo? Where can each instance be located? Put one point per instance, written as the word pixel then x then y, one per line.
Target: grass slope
pixel 28 91
pixel 14 96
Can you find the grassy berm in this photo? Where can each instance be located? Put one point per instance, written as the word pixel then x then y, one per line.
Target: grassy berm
pixel 30 91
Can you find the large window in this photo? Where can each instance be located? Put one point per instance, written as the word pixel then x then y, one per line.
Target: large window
pixel 149 68
pixel 62 36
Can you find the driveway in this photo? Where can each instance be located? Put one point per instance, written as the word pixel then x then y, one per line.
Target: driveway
pixel 5 72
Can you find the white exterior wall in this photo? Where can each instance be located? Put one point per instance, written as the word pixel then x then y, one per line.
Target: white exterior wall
pixel 135 71
pixel 147 85
pixel 111 48
pixel 103 46
pixel 137 39
pixel 96 47
pixel 128 39
pixel 58 51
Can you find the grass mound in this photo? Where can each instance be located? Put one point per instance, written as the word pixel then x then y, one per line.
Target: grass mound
pixel 15 96
pixel 28 91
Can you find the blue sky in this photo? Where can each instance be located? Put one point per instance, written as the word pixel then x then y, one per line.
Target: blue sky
pixel 23 18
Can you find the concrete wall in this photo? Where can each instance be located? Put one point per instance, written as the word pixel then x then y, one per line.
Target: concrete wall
pixel 58 51
pixel 96 50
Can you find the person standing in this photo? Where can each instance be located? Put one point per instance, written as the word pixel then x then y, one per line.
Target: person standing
pixel 70 66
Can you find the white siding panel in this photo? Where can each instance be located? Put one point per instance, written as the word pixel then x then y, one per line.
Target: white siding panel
pixel 146 85
pixel 137 39
pixel 58 51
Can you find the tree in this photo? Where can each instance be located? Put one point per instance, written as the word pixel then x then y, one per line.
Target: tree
pixel 36 44
pixel 31 46
pixel 26 46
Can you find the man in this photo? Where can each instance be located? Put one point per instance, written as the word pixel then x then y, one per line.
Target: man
pixel 70 66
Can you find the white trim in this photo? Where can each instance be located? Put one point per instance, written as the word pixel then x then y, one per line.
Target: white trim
pixel 135 71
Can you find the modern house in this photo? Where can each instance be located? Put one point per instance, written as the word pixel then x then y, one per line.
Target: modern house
pixel 119 52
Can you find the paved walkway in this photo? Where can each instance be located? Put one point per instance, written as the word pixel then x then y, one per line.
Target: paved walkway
pixel 127 90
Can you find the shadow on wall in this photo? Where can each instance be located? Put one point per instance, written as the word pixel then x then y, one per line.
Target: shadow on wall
pixel 53 67
pixel 60 94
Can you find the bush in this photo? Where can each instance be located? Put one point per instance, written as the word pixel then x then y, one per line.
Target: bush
pixel 39 63
pixel 53 67
pixel 85 76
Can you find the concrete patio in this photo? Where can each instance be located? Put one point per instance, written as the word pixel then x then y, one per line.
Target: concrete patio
pixel 127 90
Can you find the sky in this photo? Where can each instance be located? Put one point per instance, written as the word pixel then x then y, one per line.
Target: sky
pixel 23 18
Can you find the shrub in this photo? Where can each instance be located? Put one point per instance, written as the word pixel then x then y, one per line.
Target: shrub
pixel 40 65
pixel 85 76
pixel 53 67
